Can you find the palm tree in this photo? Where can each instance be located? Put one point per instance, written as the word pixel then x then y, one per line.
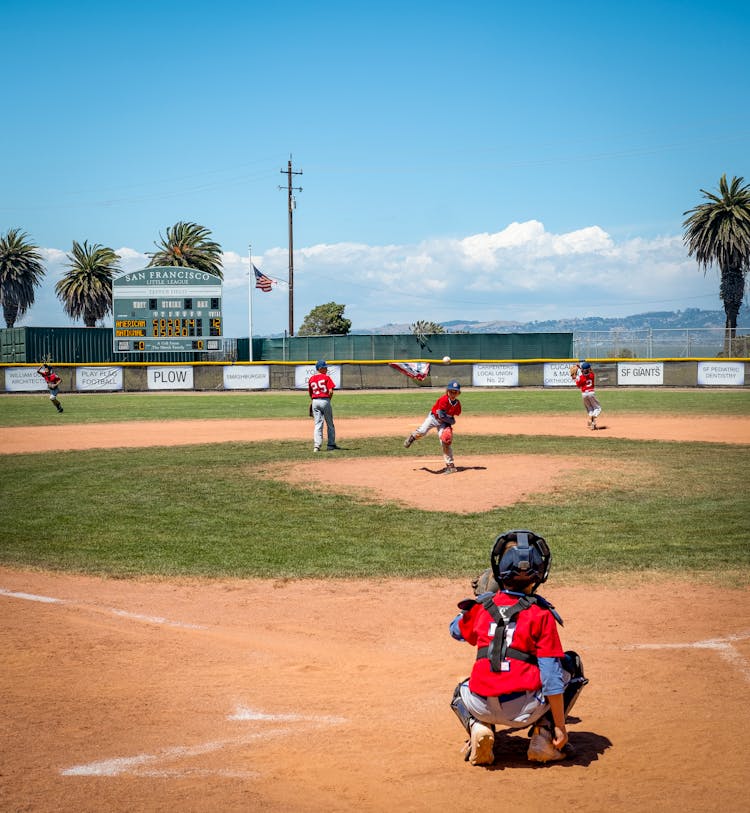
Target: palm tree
pixel 189 245
pixel 86 290
pixel 719 232
pixel 426 328
pixel 21 271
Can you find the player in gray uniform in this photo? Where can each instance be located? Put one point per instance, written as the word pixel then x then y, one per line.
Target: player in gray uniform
pixel 320 387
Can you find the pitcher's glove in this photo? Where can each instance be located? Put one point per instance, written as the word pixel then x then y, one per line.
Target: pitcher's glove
pixel 485 583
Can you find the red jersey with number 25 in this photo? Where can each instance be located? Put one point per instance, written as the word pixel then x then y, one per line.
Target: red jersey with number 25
pixel 320 386
pixel 534 631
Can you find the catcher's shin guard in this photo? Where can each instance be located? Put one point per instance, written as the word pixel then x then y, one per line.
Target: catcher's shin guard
pixel 460 710
pixel 572 663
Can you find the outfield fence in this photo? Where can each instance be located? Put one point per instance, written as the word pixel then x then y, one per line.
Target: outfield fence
pixel 650 343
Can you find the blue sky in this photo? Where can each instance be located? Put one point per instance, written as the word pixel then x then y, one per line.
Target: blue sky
pixel 486 160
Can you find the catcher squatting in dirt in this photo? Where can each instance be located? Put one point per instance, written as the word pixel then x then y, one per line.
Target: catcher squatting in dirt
pixel 521 676
pixel 442 417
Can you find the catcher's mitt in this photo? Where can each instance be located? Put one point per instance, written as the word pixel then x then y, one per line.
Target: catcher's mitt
pixel 485 583
pixel 574 370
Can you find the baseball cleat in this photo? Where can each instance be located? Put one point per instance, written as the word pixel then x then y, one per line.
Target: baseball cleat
pixel 541 748
pixel 482 744
pixel 450 470
pixel 408 442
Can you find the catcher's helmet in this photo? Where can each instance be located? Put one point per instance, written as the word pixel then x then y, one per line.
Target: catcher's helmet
pixel 454 385
pixel 529 556
pixel 585 365
pixel 321 365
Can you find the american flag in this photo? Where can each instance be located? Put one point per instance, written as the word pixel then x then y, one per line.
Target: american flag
pixel 262 281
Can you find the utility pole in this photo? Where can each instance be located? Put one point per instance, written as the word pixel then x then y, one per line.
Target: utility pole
pixel 291 206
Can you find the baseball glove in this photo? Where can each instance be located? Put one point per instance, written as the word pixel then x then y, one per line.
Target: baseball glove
pixel 485 583
pixel 446 435
pixel 309 410
pixel 574 370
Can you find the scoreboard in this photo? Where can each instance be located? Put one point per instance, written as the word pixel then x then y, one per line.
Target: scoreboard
pixel 166 309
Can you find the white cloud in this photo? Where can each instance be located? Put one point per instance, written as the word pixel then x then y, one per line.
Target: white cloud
pixel 519 273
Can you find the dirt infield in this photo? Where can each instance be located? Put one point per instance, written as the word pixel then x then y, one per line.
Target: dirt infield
pixel 153 695
pixel 20 439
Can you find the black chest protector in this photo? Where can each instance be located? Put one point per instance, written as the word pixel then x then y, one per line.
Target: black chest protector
pixel 498 650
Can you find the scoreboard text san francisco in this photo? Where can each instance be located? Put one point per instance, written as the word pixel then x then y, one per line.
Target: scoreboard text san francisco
pixel 165 309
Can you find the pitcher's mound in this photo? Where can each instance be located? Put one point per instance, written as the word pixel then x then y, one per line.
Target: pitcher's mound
pixel 480 483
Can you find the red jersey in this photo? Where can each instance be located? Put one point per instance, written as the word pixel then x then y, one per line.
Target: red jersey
pixel 450 407
pixel 534 631
pixel 52 379
pixel 320 386
pixel 585 382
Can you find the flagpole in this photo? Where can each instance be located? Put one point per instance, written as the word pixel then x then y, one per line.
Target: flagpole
pixel 251 282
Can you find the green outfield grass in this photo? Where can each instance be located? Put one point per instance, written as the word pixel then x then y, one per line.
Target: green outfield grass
pixel 35 410
pixel 204 511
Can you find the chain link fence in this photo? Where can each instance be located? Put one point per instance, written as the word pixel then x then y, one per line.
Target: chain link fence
pixel 661 343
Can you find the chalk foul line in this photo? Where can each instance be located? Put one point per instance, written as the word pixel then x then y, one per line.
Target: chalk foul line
pixel 724 647
pixel 153 764
pixel 148 619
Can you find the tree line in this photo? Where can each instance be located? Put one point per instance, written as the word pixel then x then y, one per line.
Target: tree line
pixel 716 233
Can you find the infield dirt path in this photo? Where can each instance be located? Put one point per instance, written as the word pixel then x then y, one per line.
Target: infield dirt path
pixel 188 695
pixel 171 433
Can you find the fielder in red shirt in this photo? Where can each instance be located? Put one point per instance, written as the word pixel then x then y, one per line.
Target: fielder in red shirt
pixel 442 416
pixel 584 379
pixel 53 382
pixel 521 676
pixel 320 387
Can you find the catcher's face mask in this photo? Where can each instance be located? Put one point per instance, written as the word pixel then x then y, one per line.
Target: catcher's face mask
pixel 520 553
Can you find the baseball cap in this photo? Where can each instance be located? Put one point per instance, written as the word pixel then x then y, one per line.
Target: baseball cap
pixel 320 364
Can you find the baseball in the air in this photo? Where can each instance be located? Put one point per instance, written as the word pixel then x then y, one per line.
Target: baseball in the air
pixel 446 359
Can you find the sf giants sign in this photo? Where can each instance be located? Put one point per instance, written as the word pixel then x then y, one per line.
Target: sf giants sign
pixel 643 373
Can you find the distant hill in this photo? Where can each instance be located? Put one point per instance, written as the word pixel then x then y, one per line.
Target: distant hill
pixel 690 318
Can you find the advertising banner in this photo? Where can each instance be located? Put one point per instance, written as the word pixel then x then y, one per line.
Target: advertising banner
pixel 643 373
pixel 24 379
pixel 721 374
pixel 98 378
pixel 247 378
pixel 169 378
pixel 557 374
pixel 494 375
pixel 303 372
